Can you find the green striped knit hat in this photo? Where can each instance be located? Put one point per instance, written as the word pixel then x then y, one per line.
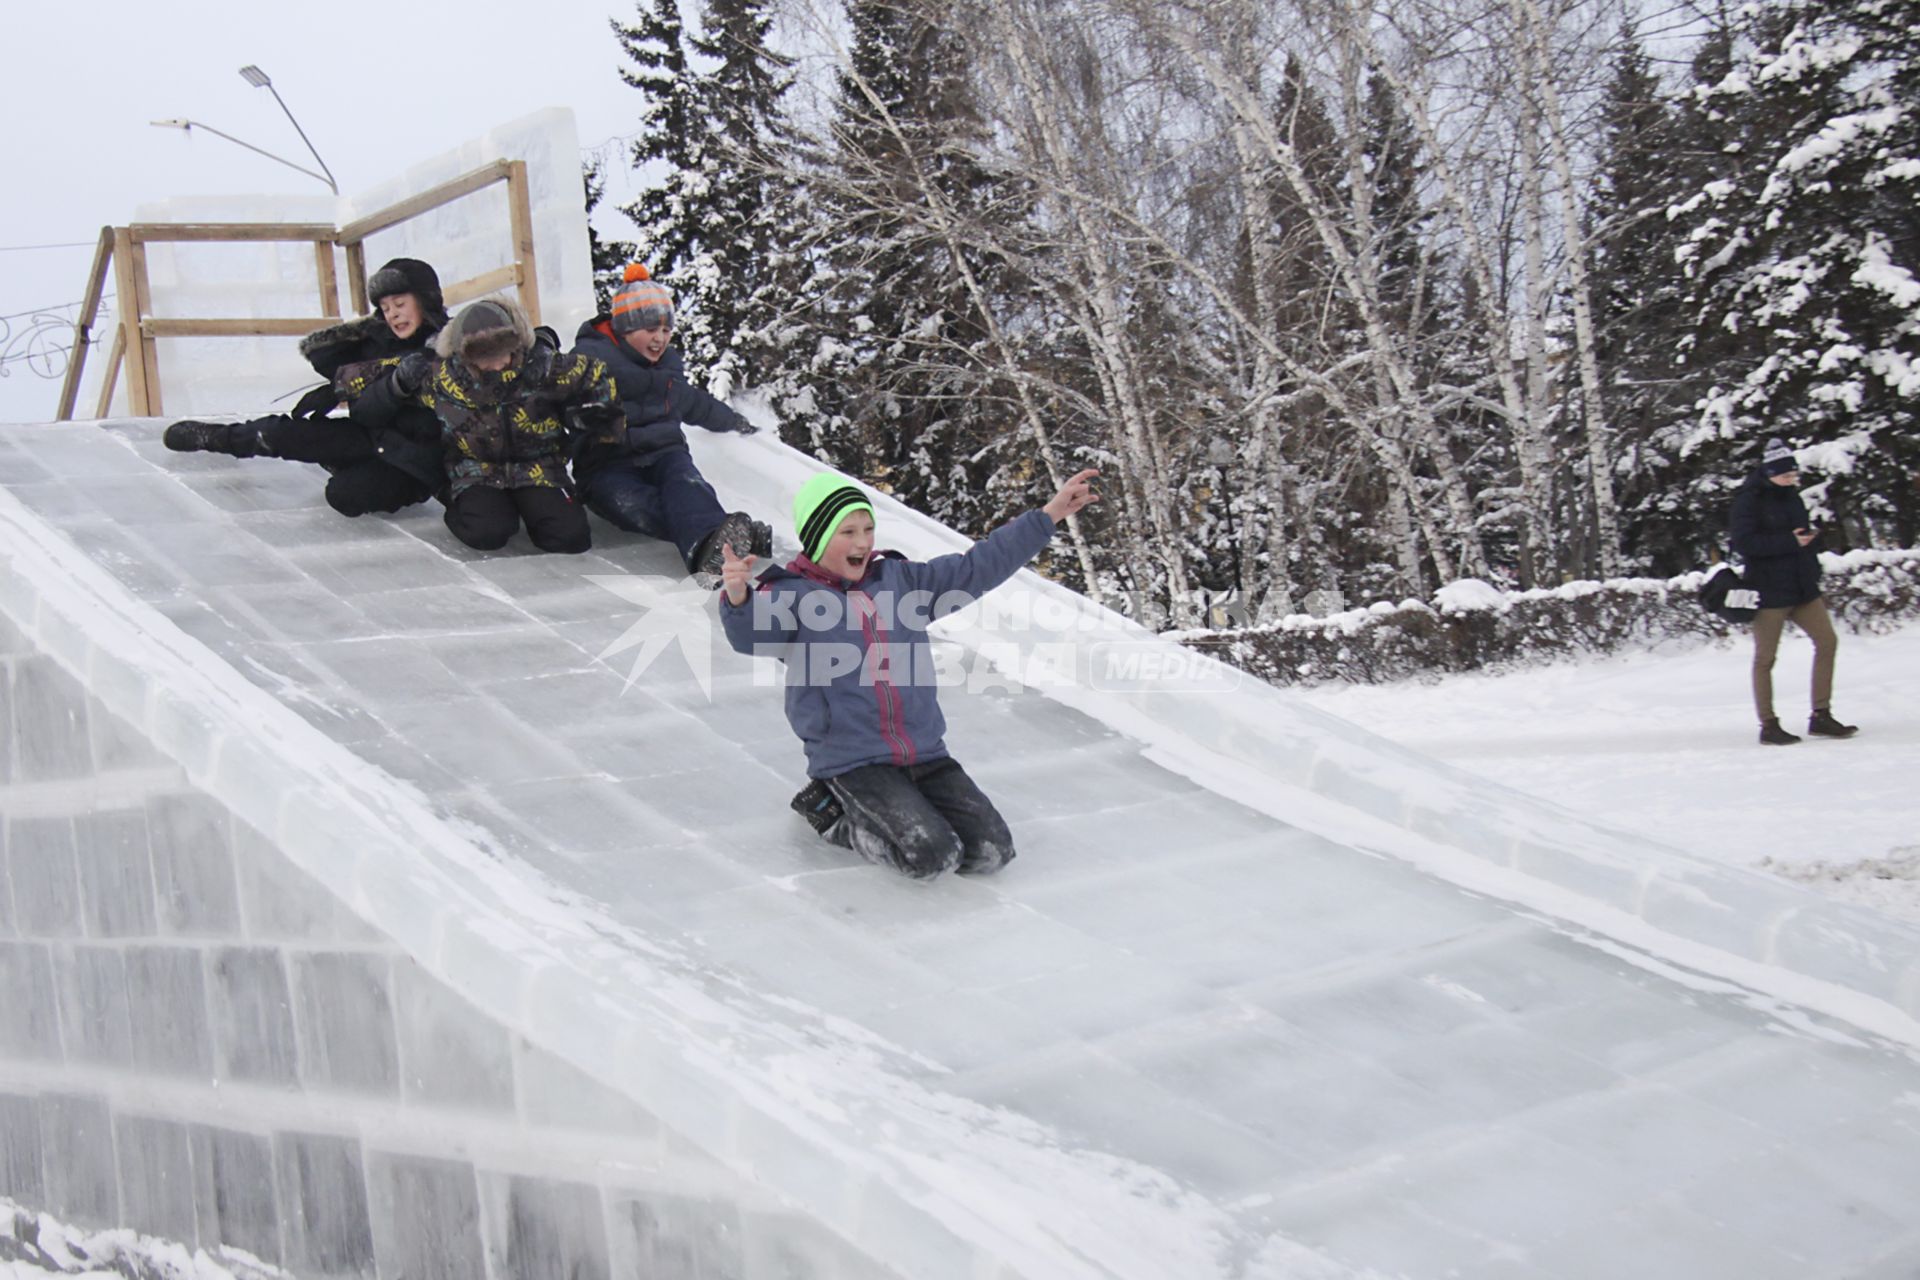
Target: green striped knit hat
pixel 822 503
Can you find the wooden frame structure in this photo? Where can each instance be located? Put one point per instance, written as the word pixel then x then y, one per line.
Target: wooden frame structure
pixel 124 249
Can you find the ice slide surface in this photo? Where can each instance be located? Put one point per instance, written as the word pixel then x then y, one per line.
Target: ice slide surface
pixel 1184 1036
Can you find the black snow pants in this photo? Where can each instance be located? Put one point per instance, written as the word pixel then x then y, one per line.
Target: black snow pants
pixel 920 819
pixel 362 481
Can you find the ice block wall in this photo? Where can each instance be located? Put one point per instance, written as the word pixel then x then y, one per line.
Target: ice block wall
pixel 200 1041
pixel 463 239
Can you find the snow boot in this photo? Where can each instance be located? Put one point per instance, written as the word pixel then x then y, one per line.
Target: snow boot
pixel 238 439
pixel 738 531
pixel 1772 735
pixel 1822 723
pixel 821 808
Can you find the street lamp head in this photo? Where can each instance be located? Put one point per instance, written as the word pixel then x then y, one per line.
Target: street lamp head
pixel 171 124
pixel 255 77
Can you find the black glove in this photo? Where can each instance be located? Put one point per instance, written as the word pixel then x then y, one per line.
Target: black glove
pixel 317 403
pixel 412 372
pixel 740 426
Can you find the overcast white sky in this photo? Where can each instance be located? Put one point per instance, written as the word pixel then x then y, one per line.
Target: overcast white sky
pixel 376 84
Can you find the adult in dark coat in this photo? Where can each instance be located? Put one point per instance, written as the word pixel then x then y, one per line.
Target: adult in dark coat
pixel 1772 532
pixel 377 463
pixel 647 483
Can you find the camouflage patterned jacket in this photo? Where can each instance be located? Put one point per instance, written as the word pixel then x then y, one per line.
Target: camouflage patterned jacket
pixel 516 429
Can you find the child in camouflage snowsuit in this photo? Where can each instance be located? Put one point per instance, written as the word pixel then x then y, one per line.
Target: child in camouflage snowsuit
pixel 512 413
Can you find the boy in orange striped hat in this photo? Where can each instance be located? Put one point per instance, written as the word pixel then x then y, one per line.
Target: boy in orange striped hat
pixel 647 483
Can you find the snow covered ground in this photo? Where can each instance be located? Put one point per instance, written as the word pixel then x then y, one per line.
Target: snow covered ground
pixel 34 1245
pixel 1662 742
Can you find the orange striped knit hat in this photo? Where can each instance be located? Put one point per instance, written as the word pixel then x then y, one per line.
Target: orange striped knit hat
pixel 641 303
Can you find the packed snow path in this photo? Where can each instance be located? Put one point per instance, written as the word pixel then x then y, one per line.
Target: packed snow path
pixel 1177 1039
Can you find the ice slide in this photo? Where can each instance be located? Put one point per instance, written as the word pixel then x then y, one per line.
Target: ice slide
pixel 364 911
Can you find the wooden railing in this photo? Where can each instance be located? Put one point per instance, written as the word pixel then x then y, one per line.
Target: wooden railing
pixel 124 250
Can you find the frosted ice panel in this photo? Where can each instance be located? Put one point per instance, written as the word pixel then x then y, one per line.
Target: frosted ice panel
pixel 345 1018
pixel 191 841
pixel 76 1142
pixel 323 1205
pixel 426 1218
pixel 167 1007
pixel 233 1190
pixel 156 1178
pixel 20 1175
pixel 92 985
pixel 116 744
pixel 116 873
pixel 539 1228
pixel 29 1020
pixel 663 1235
pixel 280 902
pixel 49 715
pixel 252 1015
pixel 43 876
pixel 555 1092
pixel 451 1054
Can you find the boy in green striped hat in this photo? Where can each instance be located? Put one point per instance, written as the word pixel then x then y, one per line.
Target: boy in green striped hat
pixel 850 624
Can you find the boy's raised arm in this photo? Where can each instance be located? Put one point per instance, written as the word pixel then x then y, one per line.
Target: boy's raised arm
pixel 1000 555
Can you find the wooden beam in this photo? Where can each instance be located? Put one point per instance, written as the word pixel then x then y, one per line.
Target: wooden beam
pixel 170 232
pixel 128 297
pixel 520 213
pixel 83 325
pixel 116 354
pixel 446 193
pixel 262 327
pixel 145 353
pixel 329 280
pixel 357 278
pixel 480 286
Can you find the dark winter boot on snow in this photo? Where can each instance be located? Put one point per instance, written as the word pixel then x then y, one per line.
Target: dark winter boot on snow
pixel 1772 735
pixel 739 531
pixel 239 439
pixel 1822 723
pixel 819 806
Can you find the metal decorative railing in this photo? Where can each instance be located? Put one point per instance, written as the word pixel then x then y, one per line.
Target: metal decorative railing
pixel 37 341
pixel 124 251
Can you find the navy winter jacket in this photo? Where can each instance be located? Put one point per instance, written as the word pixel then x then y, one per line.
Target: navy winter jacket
pixel 1761 528
pixel 860 674
pixel 656 398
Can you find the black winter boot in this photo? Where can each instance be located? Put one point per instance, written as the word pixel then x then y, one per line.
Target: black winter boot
pixel 239 439
pixel 737 531
pixel 1772 735
pixel 1822 723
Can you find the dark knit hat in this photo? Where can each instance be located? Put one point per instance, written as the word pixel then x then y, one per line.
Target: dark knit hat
pixel 822 503
pixel 409 275
pixel 484 330
pixel 641 302
pixel 1779 459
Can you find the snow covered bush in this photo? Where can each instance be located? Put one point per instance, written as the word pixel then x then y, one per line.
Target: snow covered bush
pixel 1470 626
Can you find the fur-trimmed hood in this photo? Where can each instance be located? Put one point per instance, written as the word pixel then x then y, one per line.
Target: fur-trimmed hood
pixel 487 327
pixel 331 349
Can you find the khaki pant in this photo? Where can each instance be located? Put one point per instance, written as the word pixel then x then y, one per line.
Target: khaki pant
pixel 1812 619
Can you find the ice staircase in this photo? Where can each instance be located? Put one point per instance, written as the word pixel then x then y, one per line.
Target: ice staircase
pixel 387 909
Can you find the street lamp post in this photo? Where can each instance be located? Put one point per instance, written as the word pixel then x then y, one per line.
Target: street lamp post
pixel 258 79
pixel 188 126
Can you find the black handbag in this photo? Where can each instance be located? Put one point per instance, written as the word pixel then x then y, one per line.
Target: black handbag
pixel 1725 594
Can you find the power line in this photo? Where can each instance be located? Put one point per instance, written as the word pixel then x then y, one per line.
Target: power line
pixel 70 244
pixel 48 310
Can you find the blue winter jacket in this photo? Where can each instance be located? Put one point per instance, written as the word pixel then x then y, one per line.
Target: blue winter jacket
pixel 861 684
pixel 656 398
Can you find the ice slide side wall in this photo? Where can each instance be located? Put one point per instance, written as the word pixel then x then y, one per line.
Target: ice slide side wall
pixel 200 1041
